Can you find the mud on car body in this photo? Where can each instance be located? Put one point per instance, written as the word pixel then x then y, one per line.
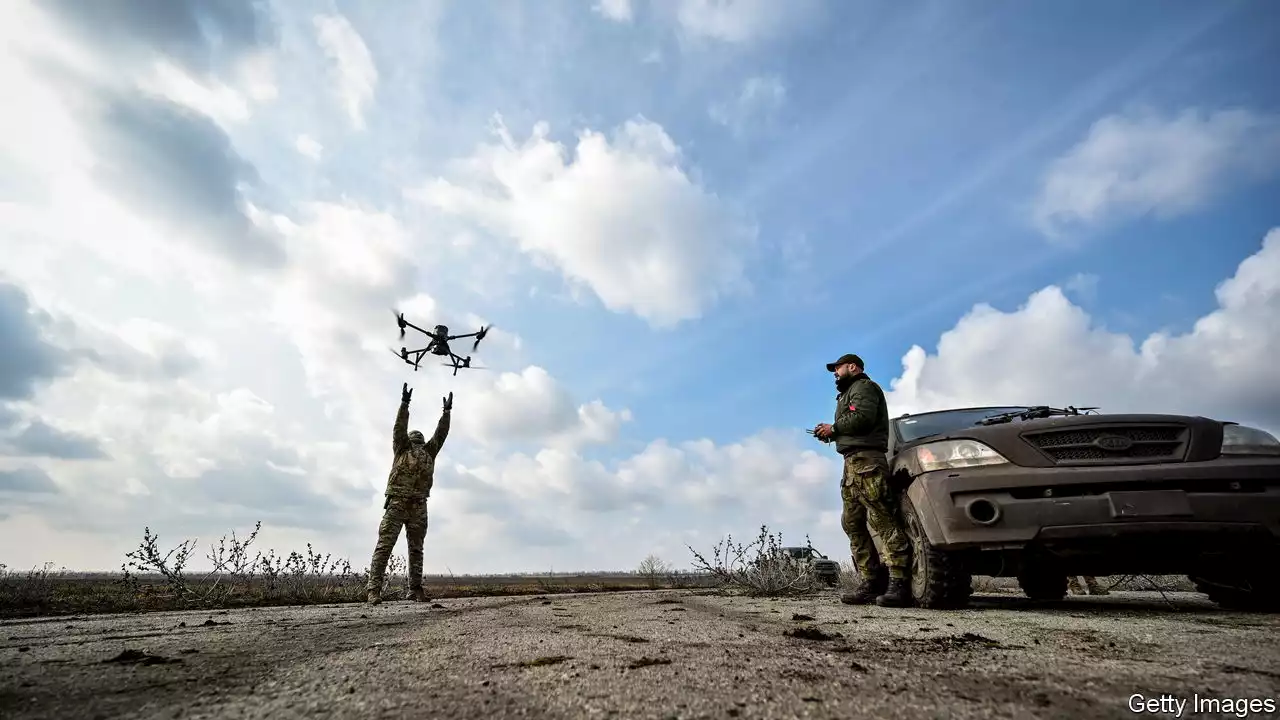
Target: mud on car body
pixel 1039 494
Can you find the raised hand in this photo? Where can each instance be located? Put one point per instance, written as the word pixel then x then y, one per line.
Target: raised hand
pixel 448 403
pixel 406 394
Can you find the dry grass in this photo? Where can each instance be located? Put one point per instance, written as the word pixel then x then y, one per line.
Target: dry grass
pixel 151 579
pixel 758 568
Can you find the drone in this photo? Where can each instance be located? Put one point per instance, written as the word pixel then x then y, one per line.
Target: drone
pixel 439 345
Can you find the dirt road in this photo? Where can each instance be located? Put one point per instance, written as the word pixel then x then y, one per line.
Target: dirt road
pixel 645 655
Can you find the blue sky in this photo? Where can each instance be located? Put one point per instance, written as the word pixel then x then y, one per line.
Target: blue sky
pixel 674 216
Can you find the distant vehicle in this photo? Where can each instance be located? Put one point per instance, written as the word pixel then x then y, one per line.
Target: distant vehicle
pixel 824 568
pixel 1041 493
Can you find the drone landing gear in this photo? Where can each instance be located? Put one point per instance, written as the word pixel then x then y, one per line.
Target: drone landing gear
pixel 404 355
pixel 459 363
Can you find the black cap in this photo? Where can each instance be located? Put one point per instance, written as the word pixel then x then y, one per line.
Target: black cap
pixel 846 358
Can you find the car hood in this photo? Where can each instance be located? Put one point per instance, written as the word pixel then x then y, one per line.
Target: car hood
pixel 1202 436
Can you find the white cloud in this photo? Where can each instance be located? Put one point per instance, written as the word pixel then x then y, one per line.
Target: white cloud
pixel 256 73
pixel 1050 351
pixel 1145 164
pixel 308 146
pixel 621 216
pixel 1083 285
pixel 756 105
pixel 221 102
pixel 615 10
pixel 355 74
pixel 744 21
pixel 532 406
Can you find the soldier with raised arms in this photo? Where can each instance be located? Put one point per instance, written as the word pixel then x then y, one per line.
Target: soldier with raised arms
pixel 408 487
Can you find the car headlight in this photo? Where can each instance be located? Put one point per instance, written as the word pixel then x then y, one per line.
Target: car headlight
pixel 949 454
pixel 1241 440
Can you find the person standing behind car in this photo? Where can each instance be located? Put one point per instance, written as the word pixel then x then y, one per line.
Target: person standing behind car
pixel 861 435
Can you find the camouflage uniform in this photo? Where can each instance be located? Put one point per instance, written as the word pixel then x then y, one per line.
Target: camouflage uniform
pixel 1073 582
pixel 862 437
pixel 408 487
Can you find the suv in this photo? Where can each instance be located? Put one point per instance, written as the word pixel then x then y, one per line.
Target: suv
pixel 1041 493
pixel 824 568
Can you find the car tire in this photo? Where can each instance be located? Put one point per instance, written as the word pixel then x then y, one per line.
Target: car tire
pixel 1240 592
pixel 939 580
pixel 1043 586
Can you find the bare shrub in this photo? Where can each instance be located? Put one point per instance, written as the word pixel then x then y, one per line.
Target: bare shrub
pixel 239 574
pixel 759 568
pixel 652 569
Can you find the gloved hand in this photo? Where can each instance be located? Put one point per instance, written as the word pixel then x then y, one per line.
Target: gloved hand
pixel 406 394
pixel 448 403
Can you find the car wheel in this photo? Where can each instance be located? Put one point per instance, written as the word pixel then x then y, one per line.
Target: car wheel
pixel 1241 592
pixel 831 580
pixel 1041 585
pixel 938 579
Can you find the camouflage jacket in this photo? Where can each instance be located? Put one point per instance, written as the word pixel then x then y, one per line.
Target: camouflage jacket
pixel 862 417
pixel 413 470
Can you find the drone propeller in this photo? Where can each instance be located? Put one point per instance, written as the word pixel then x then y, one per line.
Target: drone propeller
pixel 464 367
pixel 484 330
pixel 400 321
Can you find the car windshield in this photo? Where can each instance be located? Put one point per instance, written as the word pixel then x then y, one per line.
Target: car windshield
pixel 915 427
pixel 798 553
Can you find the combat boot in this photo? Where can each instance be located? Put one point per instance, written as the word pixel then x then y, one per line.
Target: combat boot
pixel 418 595
pixel 867 591
pixel 374 597
pixel 897 595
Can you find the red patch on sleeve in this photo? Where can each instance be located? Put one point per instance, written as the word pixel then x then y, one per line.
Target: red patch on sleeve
pixel 852 408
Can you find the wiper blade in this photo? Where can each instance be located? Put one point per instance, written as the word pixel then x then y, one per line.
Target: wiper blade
pixel 1007 417
pixel 1033 413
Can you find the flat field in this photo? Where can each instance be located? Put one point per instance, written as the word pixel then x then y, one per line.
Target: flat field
pixel 43 593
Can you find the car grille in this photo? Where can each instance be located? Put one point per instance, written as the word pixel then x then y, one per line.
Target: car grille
pixel 1118 444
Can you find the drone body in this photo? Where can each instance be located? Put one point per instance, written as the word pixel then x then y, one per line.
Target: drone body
pixel 439 345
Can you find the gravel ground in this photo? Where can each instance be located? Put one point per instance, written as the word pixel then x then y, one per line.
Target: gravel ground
pixel 645 655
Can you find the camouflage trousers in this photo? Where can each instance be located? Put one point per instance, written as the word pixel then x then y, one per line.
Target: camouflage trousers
pixel 870 507
pixel 399 512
